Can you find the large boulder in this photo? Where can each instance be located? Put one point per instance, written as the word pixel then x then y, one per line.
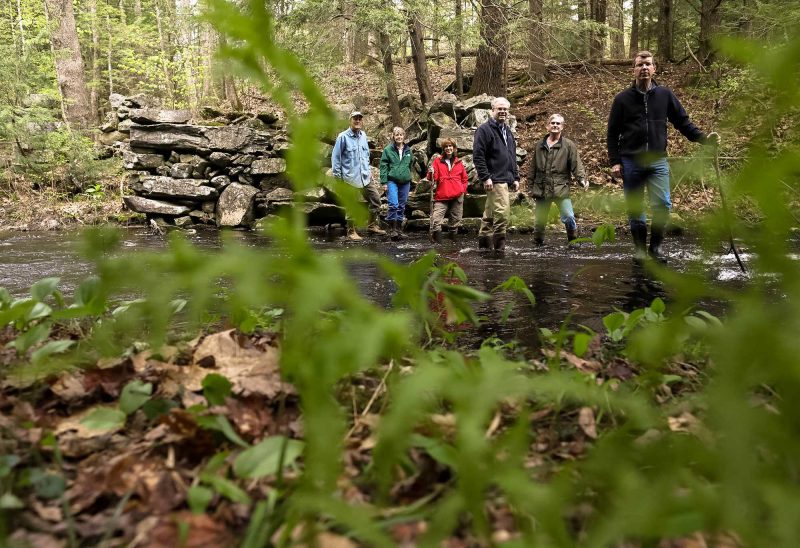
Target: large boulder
pixel 320 214
pixel 140 204
pixel 476 117
pixel 464 139
pixel 437 122
pixel 155 116
pixel 112 137
pixel 479 101
pixel 446 103
pixel 235 205
pixel 182 189
pixel 178 137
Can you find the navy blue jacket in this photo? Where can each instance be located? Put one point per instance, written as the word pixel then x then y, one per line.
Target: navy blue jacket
pixel 493 158
pixel 638 122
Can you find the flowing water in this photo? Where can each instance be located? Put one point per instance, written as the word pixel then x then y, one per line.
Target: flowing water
pixel 583 284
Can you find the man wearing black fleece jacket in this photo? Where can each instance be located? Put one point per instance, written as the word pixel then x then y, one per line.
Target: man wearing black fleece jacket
pixel 494 153
pixel 637 150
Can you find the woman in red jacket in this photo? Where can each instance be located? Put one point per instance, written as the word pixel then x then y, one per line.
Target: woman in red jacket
pixel 449 178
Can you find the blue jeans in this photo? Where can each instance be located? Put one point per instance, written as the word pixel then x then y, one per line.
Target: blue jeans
pixel 655 177
pixel 564 207
pixel 397 196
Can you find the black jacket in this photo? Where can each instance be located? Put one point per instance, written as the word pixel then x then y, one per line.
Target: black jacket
pixel 638 122
pixel 494 159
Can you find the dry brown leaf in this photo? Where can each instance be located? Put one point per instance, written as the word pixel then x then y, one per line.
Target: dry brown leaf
pixel 203 532
pixel 38 540
pixel 587 423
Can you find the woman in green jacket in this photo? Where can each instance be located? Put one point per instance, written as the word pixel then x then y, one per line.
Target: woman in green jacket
pixel 556 163
pixel 396 177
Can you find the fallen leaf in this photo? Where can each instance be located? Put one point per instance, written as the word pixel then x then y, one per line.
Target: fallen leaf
pixel 587 423
pixel 201 531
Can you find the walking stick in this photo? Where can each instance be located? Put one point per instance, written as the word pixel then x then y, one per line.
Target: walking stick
pixel 725 211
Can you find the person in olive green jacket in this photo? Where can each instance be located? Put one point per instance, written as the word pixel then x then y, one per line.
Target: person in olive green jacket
pixel 396 177
pixel 556 163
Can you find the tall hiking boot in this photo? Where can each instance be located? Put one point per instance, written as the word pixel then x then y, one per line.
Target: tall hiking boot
pixel 656 238
pixel 436 237
pixel 639 236
pixel 375 228
pixel 572 234
pixel 484 242
pixel 538 235
pixel 353 235
pixel 393 231
pixel 500 242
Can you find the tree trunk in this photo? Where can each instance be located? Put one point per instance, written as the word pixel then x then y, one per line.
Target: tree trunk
pixel 615 15
pixel 597 42
pixel 536 61
pixel 349 33
pixel 457 49
pixel 420 64
pixel 94 86
pixel 21 25
pixel 391 84
pixel 109 65
pixel 665 17
pixel 69 64
pixel 493 51
pixel 165 58
pixel 710 19
pixel 635 17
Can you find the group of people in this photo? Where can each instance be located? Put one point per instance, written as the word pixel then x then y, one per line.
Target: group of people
pixel 636 142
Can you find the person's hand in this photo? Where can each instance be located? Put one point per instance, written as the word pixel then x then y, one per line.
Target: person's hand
pixel 585 184
pixel 713 139
pixel 385 189
pixel 616 171
pixel 487 184
pixel 515 184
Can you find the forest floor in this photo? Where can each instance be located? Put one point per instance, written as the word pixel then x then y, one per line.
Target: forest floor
pixel 583 95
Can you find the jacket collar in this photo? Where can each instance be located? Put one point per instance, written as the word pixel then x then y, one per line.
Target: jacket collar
pixel 543 144
pixel 654 86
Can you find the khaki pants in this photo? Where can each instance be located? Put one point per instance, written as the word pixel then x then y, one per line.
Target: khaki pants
pixel 496 212
pixel 440 209
pixel 372 195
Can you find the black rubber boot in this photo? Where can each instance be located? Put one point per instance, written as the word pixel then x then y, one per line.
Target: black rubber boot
pixel 639 236
pixel 538 235
pixel 656 238
pixel 400 234
pixel 436 237
pixel 571 235
pixel 393 231
pixel 484 242
pixel 499 242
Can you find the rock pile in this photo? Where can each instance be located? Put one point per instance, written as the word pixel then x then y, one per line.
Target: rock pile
pixel 229 170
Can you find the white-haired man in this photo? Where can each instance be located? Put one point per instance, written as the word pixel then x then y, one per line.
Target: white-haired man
pixel 494 153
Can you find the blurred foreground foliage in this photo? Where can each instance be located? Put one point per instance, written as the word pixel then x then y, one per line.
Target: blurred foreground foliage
pixel 717 456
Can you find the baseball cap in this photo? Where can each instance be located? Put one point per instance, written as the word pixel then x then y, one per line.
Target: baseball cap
pixel 356 113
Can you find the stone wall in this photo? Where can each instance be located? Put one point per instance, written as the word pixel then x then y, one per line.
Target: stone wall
pixel 229 169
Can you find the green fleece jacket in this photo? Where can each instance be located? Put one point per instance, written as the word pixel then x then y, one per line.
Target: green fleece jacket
pixel 394 168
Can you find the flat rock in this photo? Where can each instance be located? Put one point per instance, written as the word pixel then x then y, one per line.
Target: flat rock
pixel 140 204
pixel 476 117
pixel 464 139
pixel 112 137
pixel 220 159
pixel 169 137
pixel 280 195
pixel 268 166
pixel 321 214
pixel 235 205
pixel 237 139
pixel 132 160
pixel 155 116
pixel 168 187
pixel 181 171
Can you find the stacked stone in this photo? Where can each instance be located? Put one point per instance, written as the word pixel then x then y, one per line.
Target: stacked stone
pixel 231 171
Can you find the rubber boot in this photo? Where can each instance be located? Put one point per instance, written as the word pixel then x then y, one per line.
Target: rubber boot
pixel 538 235
pixel 484 242
pixel 393 231
pixel 436 237
pixel 639 236
pixel 500 242
pixel 571 235
pixel 400 234
pixel 656 238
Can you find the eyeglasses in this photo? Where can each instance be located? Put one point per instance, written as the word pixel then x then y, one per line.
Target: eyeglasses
pixel 555 123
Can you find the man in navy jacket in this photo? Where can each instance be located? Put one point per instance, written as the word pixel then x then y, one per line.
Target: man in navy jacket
pixel 637 150
pixel 494 153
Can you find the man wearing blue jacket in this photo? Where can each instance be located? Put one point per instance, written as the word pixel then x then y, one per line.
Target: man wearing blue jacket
pixel 350 162
pixel 494 153
pixel 637 150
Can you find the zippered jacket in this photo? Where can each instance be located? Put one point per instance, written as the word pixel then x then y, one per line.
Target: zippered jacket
pixel 450 182
pixel 350 158
pixel 493 158
pixel 553 169
pixel 637 123
pixel 393 167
